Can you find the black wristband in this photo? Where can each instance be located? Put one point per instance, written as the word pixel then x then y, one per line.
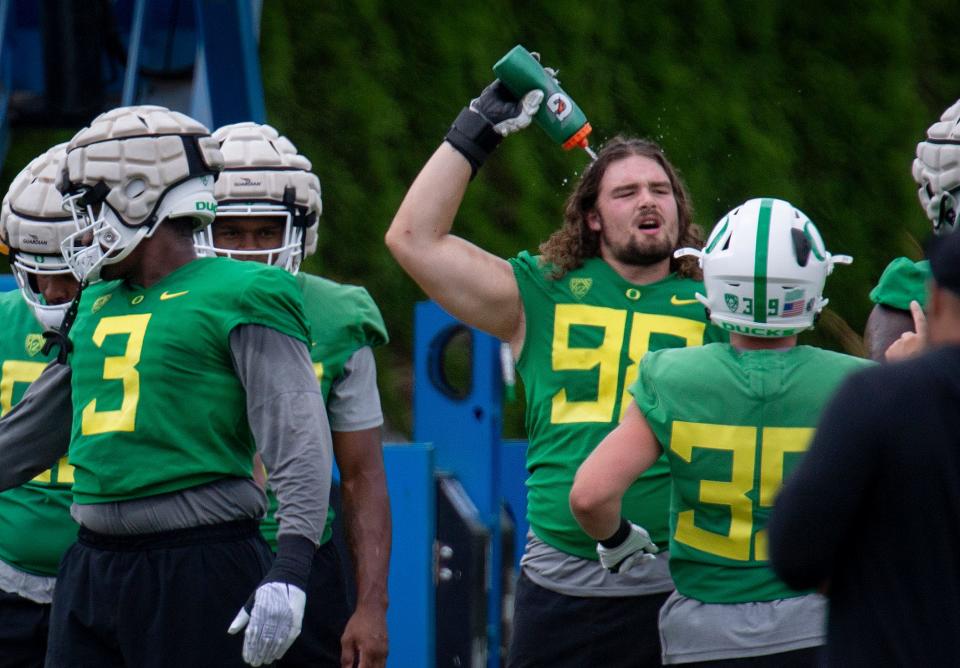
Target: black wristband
pixel 293 562
pixel 620 535
pixel 474 137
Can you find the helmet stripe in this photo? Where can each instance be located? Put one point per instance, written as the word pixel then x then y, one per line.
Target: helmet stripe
pixel 813 244
pixel 719 234
pixel 760 261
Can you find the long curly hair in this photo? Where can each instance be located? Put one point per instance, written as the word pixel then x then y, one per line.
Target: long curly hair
pixel 574 242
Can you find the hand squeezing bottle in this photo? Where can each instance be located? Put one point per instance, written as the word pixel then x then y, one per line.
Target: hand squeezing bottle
pixel 559 115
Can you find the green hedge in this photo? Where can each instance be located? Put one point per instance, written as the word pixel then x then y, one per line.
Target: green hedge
pixel 818 103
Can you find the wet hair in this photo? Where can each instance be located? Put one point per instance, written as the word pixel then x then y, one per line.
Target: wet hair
pixel 574 242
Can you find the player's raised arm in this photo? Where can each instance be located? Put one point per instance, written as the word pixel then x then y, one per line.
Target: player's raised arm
pixel 472 284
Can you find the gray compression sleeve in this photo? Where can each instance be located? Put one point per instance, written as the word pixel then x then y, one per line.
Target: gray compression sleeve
pixel 36 433
pixel 354 401
pixel 289 423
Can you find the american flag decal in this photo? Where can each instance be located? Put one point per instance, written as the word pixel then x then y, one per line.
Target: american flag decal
pixel 793 308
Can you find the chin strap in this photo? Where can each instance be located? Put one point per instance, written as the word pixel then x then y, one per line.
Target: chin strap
pixel 59 336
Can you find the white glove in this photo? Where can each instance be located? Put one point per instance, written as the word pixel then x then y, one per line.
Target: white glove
pixel 529 106
pixel 636 547
pixel 273 623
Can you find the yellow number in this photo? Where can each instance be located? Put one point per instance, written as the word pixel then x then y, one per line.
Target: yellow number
pixel 318 370
pixel 61 472
pixel 13 372
pixel 122 368
pixel 605 358
pixel 645 324
pixel 741 441
pixel 776 442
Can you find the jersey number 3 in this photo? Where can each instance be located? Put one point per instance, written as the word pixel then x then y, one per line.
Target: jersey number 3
pixel 122 368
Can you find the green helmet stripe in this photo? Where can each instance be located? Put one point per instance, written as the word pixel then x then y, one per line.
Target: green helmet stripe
pixel 760 261
pixel 813 244
pixel 719 234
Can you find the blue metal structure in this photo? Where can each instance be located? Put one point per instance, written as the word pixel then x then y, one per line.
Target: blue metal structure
pixel 196 56
pixel 465 427
pixel 411 615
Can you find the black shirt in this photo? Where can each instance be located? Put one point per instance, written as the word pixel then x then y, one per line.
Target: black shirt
pixel 874 511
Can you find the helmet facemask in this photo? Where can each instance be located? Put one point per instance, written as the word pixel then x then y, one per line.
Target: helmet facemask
pixel 263 177
pixel 101 237
pixel 26 268
pixel 288 255
pixel 944 208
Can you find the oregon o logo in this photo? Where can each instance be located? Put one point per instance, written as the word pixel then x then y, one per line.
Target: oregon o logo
pixel 560 105
pixel 632 294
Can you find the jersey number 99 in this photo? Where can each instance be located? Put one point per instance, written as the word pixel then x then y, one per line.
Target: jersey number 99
pixel 607 357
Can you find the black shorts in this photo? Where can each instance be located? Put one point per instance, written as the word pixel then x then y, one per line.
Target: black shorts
pixel 558 631
pixel 325 616
pixel 23 631
pixel 155 600
pixel 798 658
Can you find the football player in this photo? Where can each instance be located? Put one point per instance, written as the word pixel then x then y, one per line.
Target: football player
pixel 35 523
pixel 896 326
pixel 733 419
pixel 579 316
pixel 269 204
pixel 178 368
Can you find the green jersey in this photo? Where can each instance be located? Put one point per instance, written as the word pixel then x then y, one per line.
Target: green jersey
pixel 585 335
pixel 734 425
pixel 157 404
pixel 902 282
pixel 343 319
pixel 35 523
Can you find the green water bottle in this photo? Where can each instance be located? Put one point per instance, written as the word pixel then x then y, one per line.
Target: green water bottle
pixel 559 115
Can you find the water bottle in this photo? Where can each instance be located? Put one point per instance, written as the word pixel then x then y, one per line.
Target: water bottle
pixel 559 115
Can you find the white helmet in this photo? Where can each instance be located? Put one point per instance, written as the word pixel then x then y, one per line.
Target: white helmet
pixel 937 171
pixel 764 266
pixel 33 224
pixel 264 176
pixel 130 170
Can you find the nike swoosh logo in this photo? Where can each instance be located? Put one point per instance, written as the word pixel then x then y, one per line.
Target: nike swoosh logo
pixel 682 302
pixel 172 295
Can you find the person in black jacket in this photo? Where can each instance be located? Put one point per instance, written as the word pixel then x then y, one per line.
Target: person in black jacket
pixel 872 515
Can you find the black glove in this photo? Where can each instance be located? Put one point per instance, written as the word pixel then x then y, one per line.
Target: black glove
pixel 490 117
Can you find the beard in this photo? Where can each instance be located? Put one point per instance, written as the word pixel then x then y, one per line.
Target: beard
pixel 649 252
